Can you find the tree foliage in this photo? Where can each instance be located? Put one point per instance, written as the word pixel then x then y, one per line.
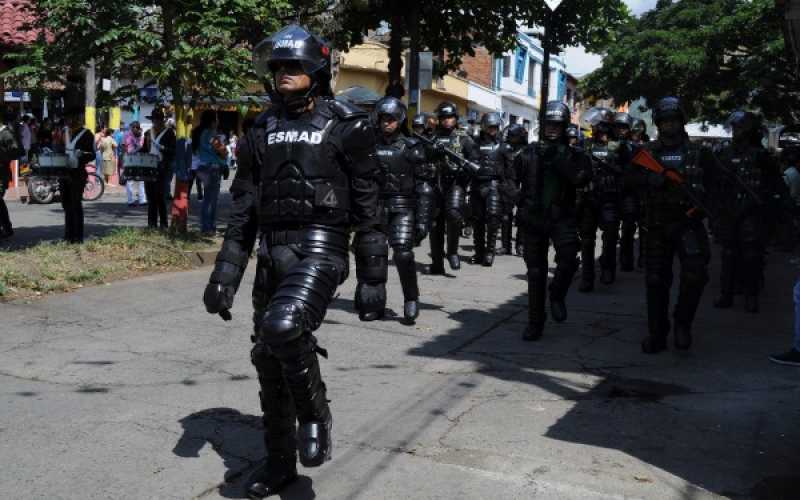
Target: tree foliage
pixel 191 47
pixel 717 55
pixel 456 27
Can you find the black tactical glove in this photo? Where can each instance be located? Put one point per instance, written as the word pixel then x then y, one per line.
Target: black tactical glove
pixel 219 299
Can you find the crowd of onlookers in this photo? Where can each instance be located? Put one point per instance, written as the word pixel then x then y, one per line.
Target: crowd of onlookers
pixel 213 155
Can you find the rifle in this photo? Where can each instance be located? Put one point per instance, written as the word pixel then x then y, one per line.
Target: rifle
pixel 644 159
pixel 474 167
pixel 731 174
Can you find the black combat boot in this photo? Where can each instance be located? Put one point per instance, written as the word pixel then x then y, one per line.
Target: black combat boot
pixel 454 261
pixel 607 277
pixel 272 477
pixel 411 310
pixel 301 367
pixel 683 336
pixel 532 332
pixel 558 309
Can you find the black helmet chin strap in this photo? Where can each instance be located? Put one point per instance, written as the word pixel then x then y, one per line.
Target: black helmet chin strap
pixel 298 103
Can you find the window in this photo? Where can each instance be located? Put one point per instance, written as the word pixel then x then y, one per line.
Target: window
pixel 519 68
pixel 506 66
pixel 532 78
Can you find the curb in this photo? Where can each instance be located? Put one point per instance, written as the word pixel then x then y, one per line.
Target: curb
pixel 201 258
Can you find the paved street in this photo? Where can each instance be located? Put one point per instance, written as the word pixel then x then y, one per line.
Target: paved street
pixel 131 390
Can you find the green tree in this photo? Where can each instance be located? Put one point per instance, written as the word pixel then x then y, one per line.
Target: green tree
pixel 455 27
pixel 190 47
pixel 717 55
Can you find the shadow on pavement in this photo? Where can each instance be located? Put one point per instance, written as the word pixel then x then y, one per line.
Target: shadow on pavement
pixel 720 418
pixel 238 439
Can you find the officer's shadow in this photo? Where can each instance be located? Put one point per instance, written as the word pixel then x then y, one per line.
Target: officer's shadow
pixel 239 440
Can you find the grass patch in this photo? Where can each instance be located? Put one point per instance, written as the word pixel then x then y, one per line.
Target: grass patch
pixel 58 266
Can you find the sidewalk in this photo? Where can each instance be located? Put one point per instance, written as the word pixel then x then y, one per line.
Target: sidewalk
pixel 132 391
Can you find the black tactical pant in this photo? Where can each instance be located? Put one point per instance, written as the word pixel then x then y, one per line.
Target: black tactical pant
pixel 630 211
pixel 5 220
pixel 598 213
pixel 72 202
pixel 400 232
pixel 296 277
pixel 449 216
pixel 564 237
pixel 157 202
pixel 742 254
pixel 487 212
pixel 688 239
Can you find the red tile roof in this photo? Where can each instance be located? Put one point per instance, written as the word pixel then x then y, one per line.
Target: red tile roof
pixel 13 15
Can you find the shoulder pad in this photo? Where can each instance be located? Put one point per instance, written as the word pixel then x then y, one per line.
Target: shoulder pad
pixel 261 119
pixel 346 111
pixel 411 141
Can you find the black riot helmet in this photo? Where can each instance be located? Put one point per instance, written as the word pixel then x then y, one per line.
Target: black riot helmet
pixel 601 118
pixel 446 109
pixel 491 120
pixel 573 132
pixel 623 119
pixel 668 107
pixel 745 125
pixel 419 120
pixel 558 113
pixel 393 107
pixel 294 43
pixel 516 134
pixel 639 127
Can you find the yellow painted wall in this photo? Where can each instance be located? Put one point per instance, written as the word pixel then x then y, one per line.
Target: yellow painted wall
pixel 367 65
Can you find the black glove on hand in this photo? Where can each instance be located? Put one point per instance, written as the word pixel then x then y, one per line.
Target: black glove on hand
pixel 219 299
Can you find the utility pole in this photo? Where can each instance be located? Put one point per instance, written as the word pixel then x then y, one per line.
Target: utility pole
pixel 413 64
pixel 91 95
pixel 544 90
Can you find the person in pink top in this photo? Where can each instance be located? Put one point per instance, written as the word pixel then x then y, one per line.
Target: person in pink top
pixel 134 142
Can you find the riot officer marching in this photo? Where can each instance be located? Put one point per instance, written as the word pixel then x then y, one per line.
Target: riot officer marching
pixel 307 175
pixel 674 226
pixel 740 222
pixel 516 139
pixel 452 180
pixel 495 159
pixel 402 162
pixel 550 172
pixel 630 206
pixel 598 204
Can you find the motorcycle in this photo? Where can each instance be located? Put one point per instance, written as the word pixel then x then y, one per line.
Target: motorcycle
pixel 44 189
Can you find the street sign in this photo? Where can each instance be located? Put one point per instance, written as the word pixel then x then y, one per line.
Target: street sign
pixel 553 4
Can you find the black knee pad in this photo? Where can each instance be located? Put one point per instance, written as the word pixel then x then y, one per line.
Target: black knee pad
pixel 372 257
pixel 403 256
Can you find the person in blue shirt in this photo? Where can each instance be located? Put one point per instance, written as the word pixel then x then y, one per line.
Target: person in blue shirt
pixel 212 158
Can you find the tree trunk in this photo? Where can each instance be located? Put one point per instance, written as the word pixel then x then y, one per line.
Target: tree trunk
pixel 396 86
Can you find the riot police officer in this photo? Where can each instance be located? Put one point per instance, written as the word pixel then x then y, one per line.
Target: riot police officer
pixel 307 174
pixel 420 125
pixel 599 203
pixel 674 227
pixel 495 159
pixel 550 171
pixel 629 204
pixel 516 139
pixel 452 179
pixel 402 161
pixel 740 221
pixel 574 135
